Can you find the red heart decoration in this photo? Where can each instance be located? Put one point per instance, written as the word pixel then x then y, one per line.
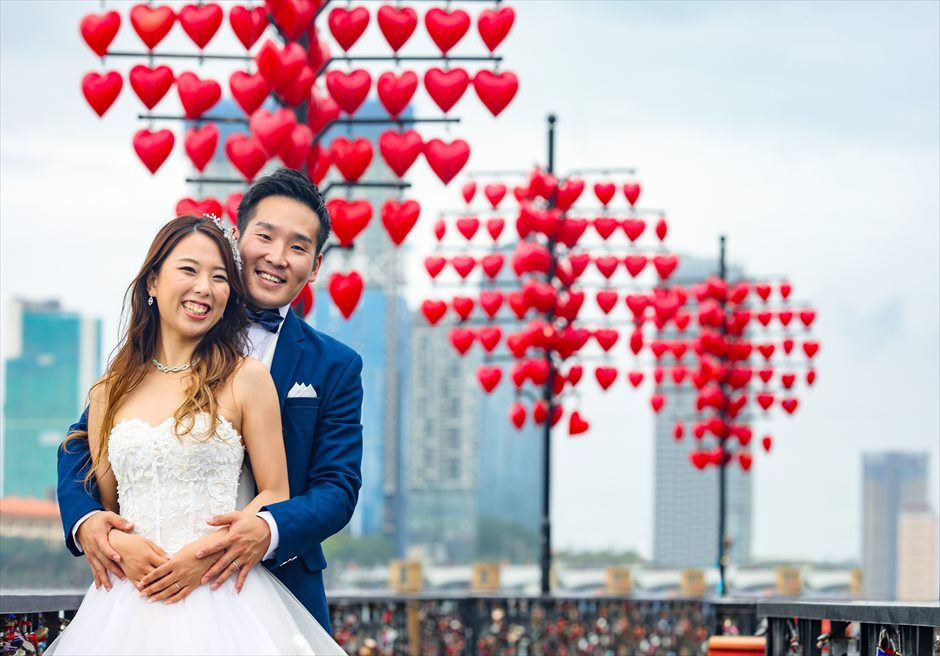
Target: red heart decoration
pixel 489 377
pixel 785 289
pixel 434 311
pixel 658 374
pixel 463 306
pixel 568 193
pixel 349 90
pixel 492 264
pixel 152 23
pixel 605 376
pixel 787 380
pixel 746 460
pixel 348 25
pixel 446 87
pixel 789 405
pixel 810 348
pixel 463 264
pixel 678 374
pixel 495 227
pixel 153 147
pixel 397 24
pixel 517 415
pixel 323 110
pixel 576 423
pixel 491 301
pixel 538 371
pixel 633 228
pixel 766 374
pixel 248 24
pixel 494 194
pixel 574 374
pixel 468 190
pixel 810 376
pixel 352 158
pixel 434 264
pixel 496 91
pixel 197 96
pixel 318 163
pixel 200 144
pixel 578 263
pixel 400 150
pixel 657 401
pixel 302 304
pixel 201 22
pixel 446 160
pixel 246 154
pixel 396 91
pixel 765 400
pixel 468 226
pixel 272 130
pixel 440 228
pixel 446 28
pixel 101 90
pixel 150 84
pixel 606 299
pixel 606 337
pixel 665 265
pixel 231 206
pixel 788 345
pixel 662 229
pixel 606 264
pixel 605 226
pixel 296 149
pixel 399 218
pixel 346 290
pixel 349 218
pixel 294 16
pixel 635 264
pixel 99 31
pixel 495 25
pixel 249 91
pixel 678 430
pixel 632 192
pixel 517 344
pixel 699 459
pixel 605 192
pixel 785 317
pixel 678 349
pixel 280 67
pixel 199 207
pixel 767 442
pixel 764 317
pixel 299 89
pixel 461 339
pixel 635 378
pixel 489 337
pixel 807 317
pixel 763 290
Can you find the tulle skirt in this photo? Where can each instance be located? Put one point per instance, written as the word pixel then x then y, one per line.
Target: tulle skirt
pixel 265 618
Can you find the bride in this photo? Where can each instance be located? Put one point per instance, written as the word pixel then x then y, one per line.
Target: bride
pixel 168 427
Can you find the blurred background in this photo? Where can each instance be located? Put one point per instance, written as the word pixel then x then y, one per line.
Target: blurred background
pixel 807 133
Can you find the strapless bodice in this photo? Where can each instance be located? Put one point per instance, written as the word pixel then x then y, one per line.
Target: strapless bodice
pixel 167 485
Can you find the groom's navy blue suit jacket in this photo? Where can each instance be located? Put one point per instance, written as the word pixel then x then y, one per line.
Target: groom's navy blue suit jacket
pixel 323 441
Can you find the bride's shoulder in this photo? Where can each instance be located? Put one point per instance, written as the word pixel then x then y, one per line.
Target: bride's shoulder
pixel 250 373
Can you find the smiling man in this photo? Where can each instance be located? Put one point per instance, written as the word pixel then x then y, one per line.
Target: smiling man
pixel 283 225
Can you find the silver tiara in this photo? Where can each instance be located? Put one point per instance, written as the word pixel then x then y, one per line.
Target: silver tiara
pixel 230 236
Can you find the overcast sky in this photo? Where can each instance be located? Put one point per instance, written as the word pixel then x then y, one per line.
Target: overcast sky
pixel 805 132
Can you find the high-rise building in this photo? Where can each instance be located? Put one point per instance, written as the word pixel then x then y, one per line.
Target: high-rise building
pixel 891 481
pixel 685 500
pixel 917 554
pixel 54 359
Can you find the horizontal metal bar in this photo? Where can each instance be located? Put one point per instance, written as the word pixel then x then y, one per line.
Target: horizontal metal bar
pixel 483 174
pixel 178 55
pixel 349 59
pixel 216 181
pixel 378 121
pixel 396 184
pixel 613 170
pixel 201 119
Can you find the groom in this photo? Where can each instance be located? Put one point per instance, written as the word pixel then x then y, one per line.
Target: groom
pixel 283 224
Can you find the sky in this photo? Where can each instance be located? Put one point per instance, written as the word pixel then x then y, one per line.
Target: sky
pixel 807 133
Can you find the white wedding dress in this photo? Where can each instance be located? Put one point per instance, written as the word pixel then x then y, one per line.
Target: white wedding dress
pixel 168 486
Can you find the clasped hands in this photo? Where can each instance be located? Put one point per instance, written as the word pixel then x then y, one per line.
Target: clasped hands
pixel 238 545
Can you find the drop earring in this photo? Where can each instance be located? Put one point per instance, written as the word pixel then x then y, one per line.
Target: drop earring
pixel 150 300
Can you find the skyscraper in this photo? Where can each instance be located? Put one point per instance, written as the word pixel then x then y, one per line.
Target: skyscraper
pixel 54 360
pixel 917 554
pixel 685 500
pixel 891 481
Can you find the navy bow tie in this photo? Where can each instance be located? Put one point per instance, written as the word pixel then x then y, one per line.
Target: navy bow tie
pixel 267 319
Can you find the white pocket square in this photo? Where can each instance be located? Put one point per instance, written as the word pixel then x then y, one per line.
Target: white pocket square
pixel 302 391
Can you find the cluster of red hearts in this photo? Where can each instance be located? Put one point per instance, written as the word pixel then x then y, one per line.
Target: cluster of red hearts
pixel 289 73
pixel 717 338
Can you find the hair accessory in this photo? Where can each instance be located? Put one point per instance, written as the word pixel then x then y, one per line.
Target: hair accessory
pixel 150 300
pixel 230 236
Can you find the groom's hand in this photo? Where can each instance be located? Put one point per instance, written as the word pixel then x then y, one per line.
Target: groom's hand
pixel 242 547
pixel 92 535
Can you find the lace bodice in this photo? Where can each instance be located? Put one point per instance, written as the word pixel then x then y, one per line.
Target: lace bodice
pixel 167 485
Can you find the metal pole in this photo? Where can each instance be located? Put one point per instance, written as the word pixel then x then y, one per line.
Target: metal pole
pixel 723 415
pixel 548 398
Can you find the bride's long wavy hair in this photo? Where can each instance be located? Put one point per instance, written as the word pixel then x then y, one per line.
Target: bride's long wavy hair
pixel 215 359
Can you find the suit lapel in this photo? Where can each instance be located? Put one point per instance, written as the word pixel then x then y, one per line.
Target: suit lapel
pixel 287 355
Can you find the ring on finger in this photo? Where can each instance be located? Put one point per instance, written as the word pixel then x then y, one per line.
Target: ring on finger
pixel 178 588
pixel 236 566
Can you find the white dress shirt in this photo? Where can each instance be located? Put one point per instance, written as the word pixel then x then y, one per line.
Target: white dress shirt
pixel 261 345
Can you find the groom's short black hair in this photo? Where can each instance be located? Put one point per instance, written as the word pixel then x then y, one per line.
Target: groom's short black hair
pixel 290 183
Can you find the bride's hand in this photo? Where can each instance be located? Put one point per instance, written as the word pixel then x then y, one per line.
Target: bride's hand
pixel 175 579
pixel 139 556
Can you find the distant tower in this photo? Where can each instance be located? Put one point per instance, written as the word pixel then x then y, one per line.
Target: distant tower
pixel 891 481
pixel 55 359
pixel 917 554
pixel 685 500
